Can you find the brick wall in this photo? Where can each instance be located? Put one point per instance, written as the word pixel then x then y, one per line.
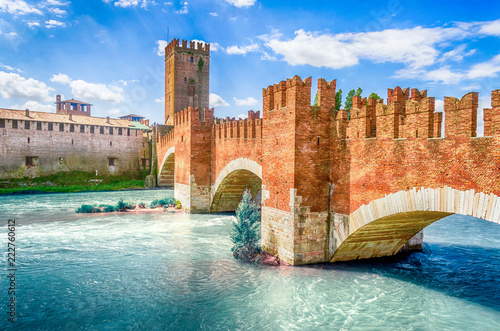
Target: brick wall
pixel 55 150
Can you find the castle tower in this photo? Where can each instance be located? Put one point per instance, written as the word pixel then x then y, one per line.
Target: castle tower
pixel 186 76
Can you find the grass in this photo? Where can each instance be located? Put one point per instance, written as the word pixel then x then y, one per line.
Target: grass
pixel 74 181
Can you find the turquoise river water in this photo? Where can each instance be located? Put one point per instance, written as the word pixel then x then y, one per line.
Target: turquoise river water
pixel 176 272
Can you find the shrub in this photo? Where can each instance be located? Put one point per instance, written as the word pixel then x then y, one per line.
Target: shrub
pixel 123 206
pixel 108 208
pixel 178 204
pixel 86 209
pixel 168 202
pixel 142 205
pixel 246 230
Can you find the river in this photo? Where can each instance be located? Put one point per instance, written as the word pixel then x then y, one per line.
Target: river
pixel 172 271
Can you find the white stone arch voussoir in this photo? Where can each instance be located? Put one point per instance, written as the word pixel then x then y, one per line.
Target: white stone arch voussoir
pixel 444 199
pixel 169 152
pixel 237 164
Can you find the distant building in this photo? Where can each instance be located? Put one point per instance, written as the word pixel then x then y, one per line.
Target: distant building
pixel 72 106
pixel 135 118
pixel 35 144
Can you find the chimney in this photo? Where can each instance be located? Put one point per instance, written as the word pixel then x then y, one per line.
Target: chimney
pixel 107 119
pixel 27 112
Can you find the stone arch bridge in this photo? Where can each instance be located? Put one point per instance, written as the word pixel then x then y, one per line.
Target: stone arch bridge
pixel 335 187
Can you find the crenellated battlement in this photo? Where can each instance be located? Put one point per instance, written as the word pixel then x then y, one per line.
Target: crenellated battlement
pixel 292 92
pixel 195 115
pixel 397 94
pixel 182 46
pixel 461 115
pixel 248 128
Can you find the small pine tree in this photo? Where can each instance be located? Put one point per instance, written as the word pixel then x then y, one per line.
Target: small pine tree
pixel 348 100
pixel 246 230
pixel 372 95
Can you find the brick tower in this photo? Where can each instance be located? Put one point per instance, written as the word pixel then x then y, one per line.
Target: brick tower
pixel 186 76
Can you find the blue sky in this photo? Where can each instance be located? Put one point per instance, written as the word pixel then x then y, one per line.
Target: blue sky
pixel 108 52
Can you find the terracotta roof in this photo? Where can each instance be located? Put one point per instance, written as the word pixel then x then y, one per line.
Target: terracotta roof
pixel 75 101
pixel 59 118
pixel 133 115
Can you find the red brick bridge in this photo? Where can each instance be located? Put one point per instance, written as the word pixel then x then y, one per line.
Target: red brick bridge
pixel 333 188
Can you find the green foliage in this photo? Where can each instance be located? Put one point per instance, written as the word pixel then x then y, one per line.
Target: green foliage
pixel 168 202
pixel 107 208
pixel 348 100
pixel 338 100
pixel 141 205
pixel 372 95
pixel 86 209
pixel 315 103
pixel 200 64
pixel 178 204
pixel 123 206
pixel 246 230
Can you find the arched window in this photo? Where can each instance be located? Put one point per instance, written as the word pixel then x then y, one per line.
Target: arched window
pixel 192 59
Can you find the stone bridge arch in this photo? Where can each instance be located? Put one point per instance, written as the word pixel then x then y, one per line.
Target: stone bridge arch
pixel 166 175
pixel 232 180
pixel 385 225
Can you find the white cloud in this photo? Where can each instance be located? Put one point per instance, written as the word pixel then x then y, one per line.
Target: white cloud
pixel 214 14
pixel 9 35
pixel 18 7
pixel 161 47
pixel 485 69
pixel 115 111
pixel 91 91
pixel 126 82
pixel 246 102
pixel 242 116
pixel 61 79
pixel 13 85
pixel 36 106
pixel 53 24
pixel 241 3
pixel 242 50
pixel 184 9
pixel 32 24
pixel 457 54
pixel 130 3
pixel 9 67
pixel 58 11
pixel 490 28
pixel 160 100
pixel 56 3
pixel 415 47
pixel 217 101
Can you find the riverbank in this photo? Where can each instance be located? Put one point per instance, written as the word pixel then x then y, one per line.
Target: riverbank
pixel 69 182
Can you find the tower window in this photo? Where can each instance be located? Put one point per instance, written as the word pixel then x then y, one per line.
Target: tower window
pixel 91 129
pixel 71 128
pixel 50 126
pixel 27 125
pixel 61 126
pixel 38 125
pixel 2 123
pixel 14 124
pixel 192 59
pixel 82 128
pixel 185 79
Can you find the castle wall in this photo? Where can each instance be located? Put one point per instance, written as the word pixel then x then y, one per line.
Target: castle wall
pixel 55 151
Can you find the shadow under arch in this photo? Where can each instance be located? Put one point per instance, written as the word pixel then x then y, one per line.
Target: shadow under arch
pixel 385 225
pixel 166 174
pixel 238 175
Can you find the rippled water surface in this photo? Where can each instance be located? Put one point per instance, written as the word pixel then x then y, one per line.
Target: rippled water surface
pixel 176 272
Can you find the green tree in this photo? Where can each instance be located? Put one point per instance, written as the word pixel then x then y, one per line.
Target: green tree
pixel 348 100
pixel 315 103
pixel 246 230
pixel 338 100
pixel 373 95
